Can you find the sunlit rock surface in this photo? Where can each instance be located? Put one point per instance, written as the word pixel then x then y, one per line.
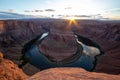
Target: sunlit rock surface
pixel 71 74
pixel 10 71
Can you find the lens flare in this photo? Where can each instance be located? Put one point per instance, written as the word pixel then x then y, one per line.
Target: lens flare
pixel 72 18
pixel 72 21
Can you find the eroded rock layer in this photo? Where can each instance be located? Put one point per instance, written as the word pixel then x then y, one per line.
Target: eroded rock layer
pixel 10 71
pixel 14 34
pixel 71 74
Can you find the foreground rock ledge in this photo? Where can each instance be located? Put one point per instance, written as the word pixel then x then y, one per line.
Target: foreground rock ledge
pixel 10 71
pixel 71 74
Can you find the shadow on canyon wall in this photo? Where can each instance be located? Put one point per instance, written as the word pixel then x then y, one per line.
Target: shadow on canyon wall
pixel 14 34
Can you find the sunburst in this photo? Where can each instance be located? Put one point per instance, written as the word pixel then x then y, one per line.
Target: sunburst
pixel 72 21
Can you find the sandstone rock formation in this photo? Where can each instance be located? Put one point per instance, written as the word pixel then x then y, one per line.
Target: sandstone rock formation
pixel 106 34
pixel 71 74
pixel 10 71
pixel 60 44
pixel 14 34
pixel 1 57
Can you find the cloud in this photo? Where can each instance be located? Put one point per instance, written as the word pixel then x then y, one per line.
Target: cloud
pixel 27 11
pixel 95 16
pixel 38 11
pixel 68 8
pixel 50 10
pixel 41 10
pixel 113 10
pixel 116 9
pixel 82 16
pixel 11 10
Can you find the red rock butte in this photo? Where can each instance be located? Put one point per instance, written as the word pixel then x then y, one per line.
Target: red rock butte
pixel 59 44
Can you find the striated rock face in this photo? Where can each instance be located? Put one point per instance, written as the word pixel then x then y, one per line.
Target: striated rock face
pixel 107 36
pixel 10 71
pixel 14 34
pixel 71 74
pixel 112 32
pixel 59 44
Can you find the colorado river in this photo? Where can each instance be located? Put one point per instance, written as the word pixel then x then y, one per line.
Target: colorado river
pixel 85 60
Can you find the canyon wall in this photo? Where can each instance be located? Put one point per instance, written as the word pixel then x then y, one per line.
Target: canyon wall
pixel 14 34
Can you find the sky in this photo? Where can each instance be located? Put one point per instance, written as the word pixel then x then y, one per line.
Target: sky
pixel 81 8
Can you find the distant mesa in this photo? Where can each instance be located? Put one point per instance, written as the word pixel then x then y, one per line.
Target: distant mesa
pixel 9 15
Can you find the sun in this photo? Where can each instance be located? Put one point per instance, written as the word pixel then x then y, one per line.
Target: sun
pixel 72 21
pixel 71 18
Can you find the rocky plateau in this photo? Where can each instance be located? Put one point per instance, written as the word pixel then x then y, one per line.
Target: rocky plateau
pixel 14 34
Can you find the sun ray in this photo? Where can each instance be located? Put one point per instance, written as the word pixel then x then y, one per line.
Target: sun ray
pixel 72 21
